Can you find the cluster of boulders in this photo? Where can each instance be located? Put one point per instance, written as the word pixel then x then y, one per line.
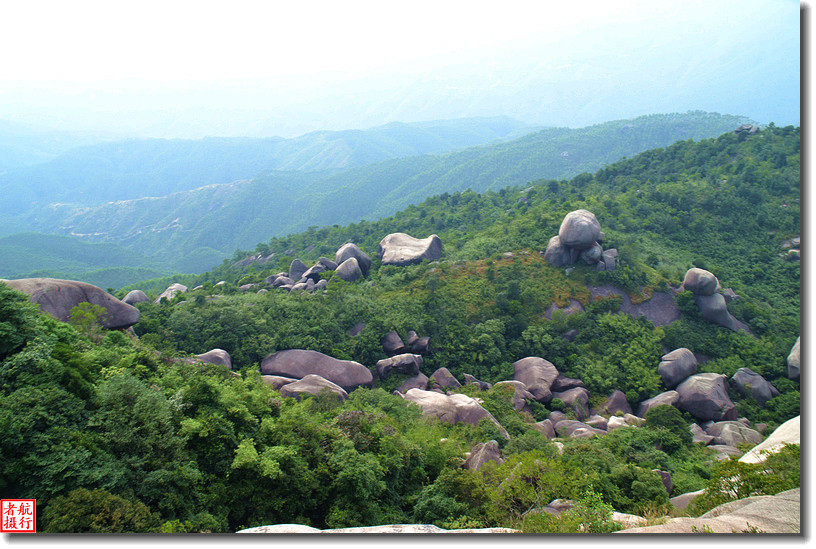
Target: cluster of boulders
pixel 57 297
pixel 350 263
pixel 580 237
pixel 295 372
pixel 711 303
pixel 393 344
pixel 746 128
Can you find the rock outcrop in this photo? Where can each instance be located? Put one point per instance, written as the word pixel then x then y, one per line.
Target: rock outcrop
pixel 520 394
pixel 383 529
pixel 172 291
pixel 451 408
pixel 299 363
pixel 405 363
pixel 704 285
pixel 787 433
pixel 705 396
pixel 443 379
pixel 312 384
pixel 676 366
pixel 135 296
pixel 580 237
pixel 538 375
pixel 794 362
pixel 669 397
pixel 481 454
pixel 348 251
pixel 579 229
pixel 57 297
pixel 349 270
pixel 404 249
pixel 748 382
pixel 419 381
pixel 216 356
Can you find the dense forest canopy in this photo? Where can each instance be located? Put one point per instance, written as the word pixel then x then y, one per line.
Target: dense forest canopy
pixel 114 433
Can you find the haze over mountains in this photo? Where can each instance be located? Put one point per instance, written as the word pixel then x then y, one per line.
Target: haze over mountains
pixel 184 205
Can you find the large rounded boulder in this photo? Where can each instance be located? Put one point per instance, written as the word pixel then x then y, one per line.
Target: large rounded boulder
pixel 451 408
pixel 538 375
pixel 135 296
pixel 579 229
pixel 216 356
pixel 348 251
pixel 676 366
pixel 705 396
pixel 312 385
pixel 57 297
pixel 669 398
pixel 713 309
pixel 349 270
pixel 404 249
pixel 748 382
pixel 405 363
pixel 794 363
pixel 172 291
pixel 520 394
pixel 557 254
pixel 481 454
pixel 298 363
pixel 700 282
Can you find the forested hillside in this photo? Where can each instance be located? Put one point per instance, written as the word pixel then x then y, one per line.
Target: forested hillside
pixel 191 231
pixel 110 435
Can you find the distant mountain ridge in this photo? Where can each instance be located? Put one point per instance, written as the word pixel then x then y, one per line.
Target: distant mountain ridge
pixel 192 230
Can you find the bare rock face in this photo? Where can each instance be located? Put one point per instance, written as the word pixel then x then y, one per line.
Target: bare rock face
pixel 172 291
pixel 570 428
pixel 700 282
pixel 793 361
pixel 705 396
pixel 404 364
pixel 579 229
pixel 669 397
pixel 403 249
pixel 348 251
pixel 312 384
pixel 135 296
pixel 422 346
pixel 299 363
pixel 787 433
pixel 57 297
pixel 576 398
pixel 732 433
pixel 216 356
pixel 443 379
pixel 481 454
pixel 676 366
pixel 746 381
pixel 482 385
pixel 545 427
pixel 563 383
pixel 537 375
pixel 713 309
pixel 451 408
pixel 349 270
pixel 419 381
pixel 520 393
pixel 557 254
pixel 592 254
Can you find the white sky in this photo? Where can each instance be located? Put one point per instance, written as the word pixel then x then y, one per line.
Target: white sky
pixel 82 40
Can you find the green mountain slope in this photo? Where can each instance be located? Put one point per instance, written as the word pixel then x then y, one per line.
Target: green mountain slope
pixel 227 217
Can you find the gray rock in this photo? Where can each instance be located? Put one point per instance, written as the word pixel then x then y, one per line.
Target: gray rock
pixel 615 403
pixel 562 383
pixel 403 249
pixel 349 270
pixel 347 251
pixel 443 379
pixel 419 381
pixel 482 385
pixel 545 427
pixel 172 291
pixel 592 254
pixel 699 436
pixel 579 229
pixel 713 309
pixel 247 287
pixel 520 393
pixel 314 271
pixel 787 433
pixel 277 381
pixel 328 263
pixel 748 382
pixel 404 364
pixel 283 281
pixel 57 297
pixel 421 346
pixel 557 254
pixel 135 296
pixel 676 366
pixel 732 433
pixel 596 421
pixel 669 397
pixel 481 454
pixel 793 361
pixel 392 343
pixel 537 375
pixel 312 384
pixel 576 398
pixel 299 363
pixel 700 282
pixel 666 477
pixel 300 286
pixel 321 285
pixel 411 338
pixel 609 258
pixel 705 396
pixel 216 356
pixel 570 428
pixel 451 408
pixel 357 329
pixel 296 269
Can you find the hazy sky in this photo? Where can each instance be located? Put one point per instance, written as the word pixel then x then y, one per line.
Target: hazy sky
pixel 249 67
